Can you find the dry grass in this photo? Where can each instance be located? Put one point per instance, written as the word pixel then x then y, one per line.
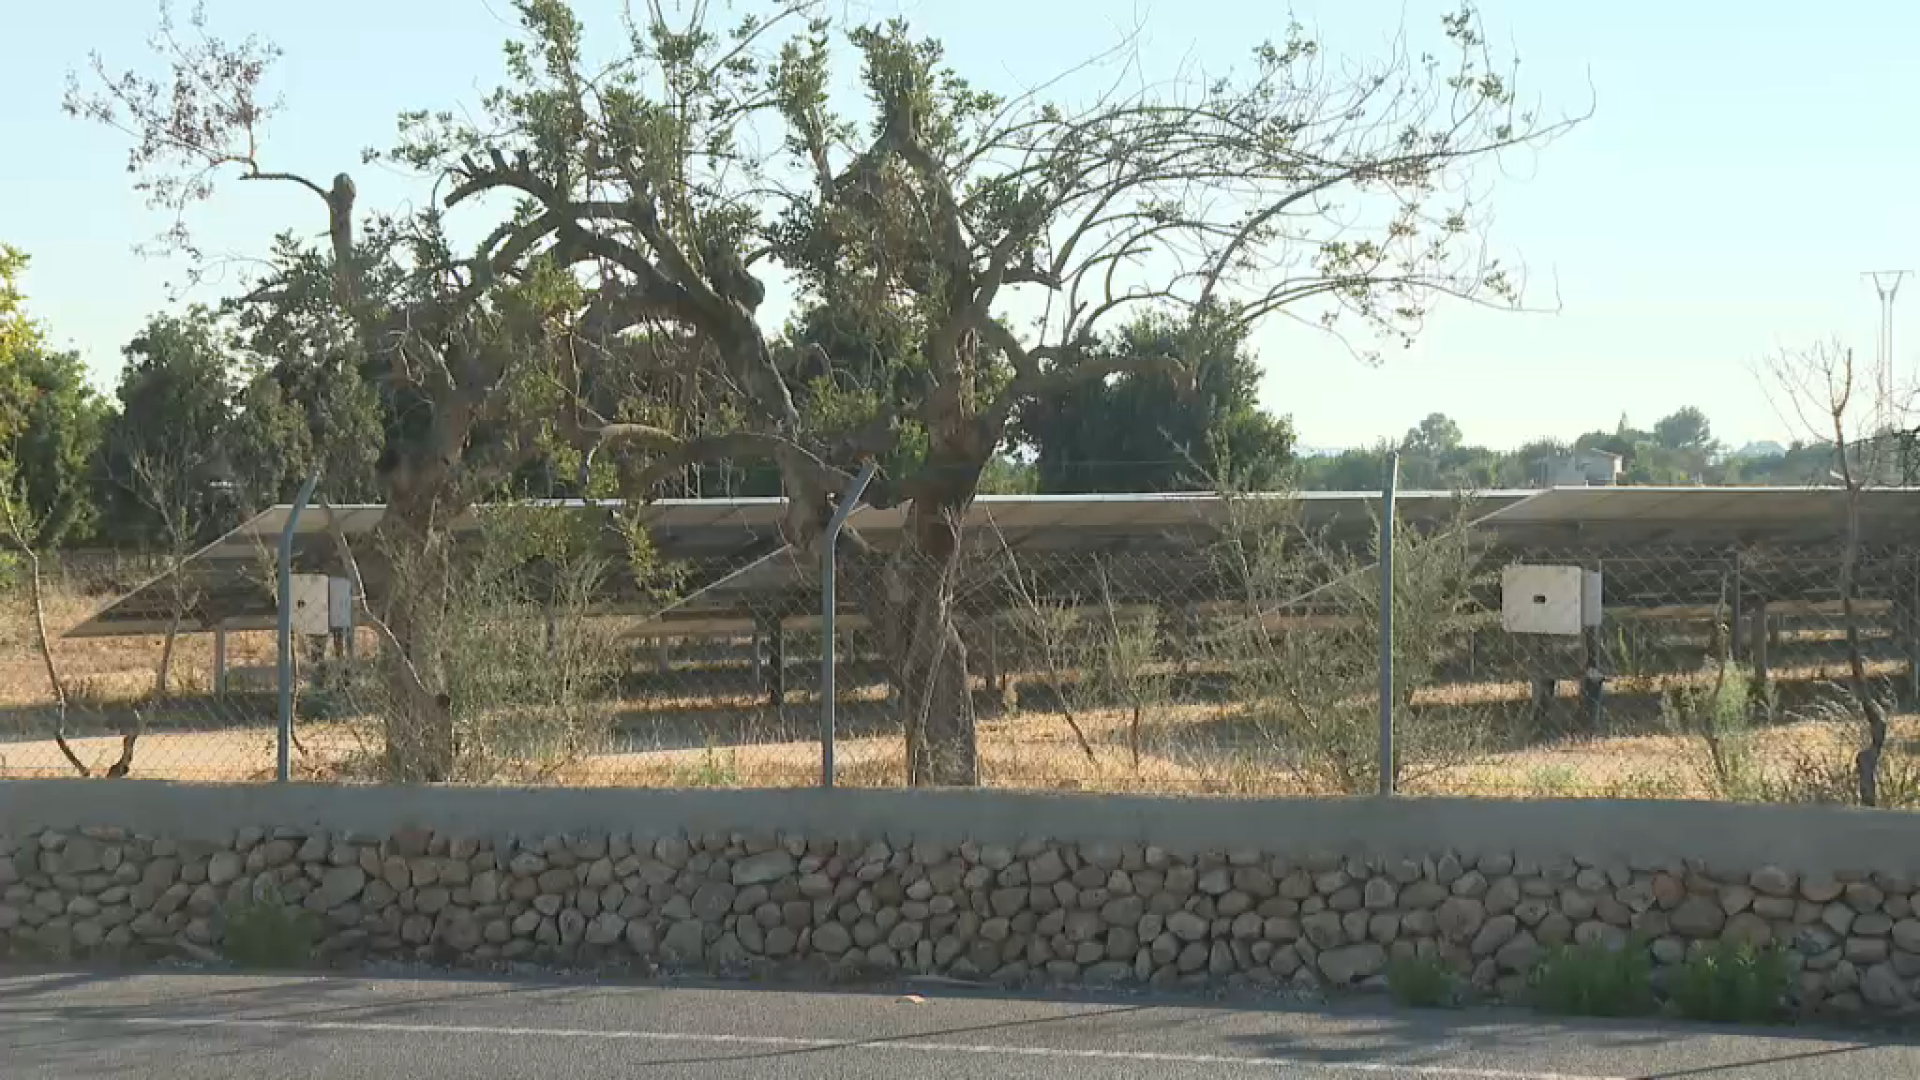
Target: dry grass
pixel 106 670
pixel 709 731
pixel 1021 751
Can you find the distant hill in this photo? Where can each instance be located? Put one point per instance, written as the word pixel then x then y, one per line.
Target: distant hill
pixel 1765 448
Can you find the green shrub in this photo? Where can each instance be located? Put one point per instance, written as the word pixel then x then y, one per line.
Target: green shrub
pixel 715 769
pixel 1593 980
pixel 1730 983
pixel 1714 710
pixel 1422 982
pixel 267 933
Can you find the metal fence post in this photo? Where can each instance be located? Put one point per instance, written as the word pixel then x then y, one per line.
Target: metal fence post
pixel 827 601
pixel 1386 622
pixel 283 759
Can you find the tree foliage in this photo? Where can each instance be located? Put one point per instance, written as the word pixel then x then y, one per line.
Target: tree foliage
pixel 49 423
pixel 611 317
pixel 1680 450
pixel 1148 430
pixel 165 453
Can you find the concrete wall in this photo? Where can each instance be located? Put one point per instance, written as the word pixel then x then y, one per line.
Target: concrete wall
pixel 1807 838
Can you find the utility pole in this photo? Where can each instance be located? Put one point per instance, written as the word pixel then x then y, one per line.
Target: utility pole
pixel 1887 284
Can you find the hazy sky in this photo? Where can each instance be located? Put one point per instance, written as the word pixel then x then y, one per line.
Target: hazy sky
pixel 1744 164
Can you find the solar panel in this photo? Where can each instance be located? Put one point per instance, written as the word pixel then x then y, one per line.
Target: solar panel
pixel 739 539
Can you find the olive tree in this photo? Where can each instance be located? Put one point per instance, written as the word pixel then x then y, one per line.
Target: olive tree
pixel 1003 234
pixel 993 239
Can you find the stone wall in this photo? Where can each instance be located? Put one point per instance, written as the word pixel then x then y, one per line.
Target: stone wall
pixel 824 905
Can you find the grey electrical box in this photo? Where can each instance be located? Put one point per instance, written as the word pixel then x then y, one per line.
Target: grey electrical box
pixel 1542 599
pixel 308 603
pixel 339 603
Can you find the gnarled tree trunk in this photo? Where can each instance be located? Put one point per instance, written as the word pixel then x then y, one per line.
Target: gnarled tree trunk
pixel 418 721
pixel 929 659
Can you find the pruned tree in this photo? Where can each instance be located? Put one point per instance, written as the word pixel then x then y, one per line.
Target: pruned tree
pixel 449 343
pixel 1000 236
pixel 1322 190
pixel 1857 413
pixel 196 119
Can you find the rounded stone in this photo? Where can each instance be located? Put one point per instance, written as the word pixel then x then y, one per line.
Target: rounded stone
pixel 1187 926
pixel 1493 934
pixel 832 938
pixel 1350 964
pixel 1771 881
pixel 1699 917
pixel 1748 928
pixel 1820 888
pixel 1459 918
pixel 223 867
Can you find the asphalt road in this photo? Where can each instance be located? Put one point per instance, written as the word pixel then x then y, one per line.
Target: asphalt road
pixel 80 1026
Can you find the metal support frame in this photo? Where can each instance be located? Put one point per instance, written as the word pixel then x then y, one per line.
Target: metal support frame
pixel 776 632
pixel 1912 628
pixel 828 600
pixel 1593 675
pixel 1736 605
pixel 1391 481
pixel 283 751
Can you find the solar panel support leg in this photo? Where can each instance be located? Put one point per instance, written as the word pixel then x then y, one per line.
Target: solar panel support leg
pixel 220 662
pixel 1593 681
pixel 1912 629
pixel 1735 607
pixel 1544 691
pixel 286 671
pixel 776 662
pixel 996 684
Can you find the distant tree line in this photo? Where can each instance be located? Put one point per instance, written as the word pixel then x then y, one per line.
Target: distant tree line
pixel 219 412
pixel 1679 450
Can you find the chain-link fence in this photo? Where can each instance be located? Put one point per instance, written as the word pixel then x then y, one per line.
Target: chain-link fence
pixel 1245 665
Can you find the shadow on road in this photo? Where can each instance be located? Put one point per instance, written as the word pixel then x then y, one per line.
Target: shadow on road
pixel 1371 1034
pixel 1422 1037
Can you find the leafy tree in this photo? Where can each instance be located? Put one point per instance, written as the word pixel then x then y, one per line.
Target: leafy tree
pixel 313 397
pixel 165 453
pixel 1436 435
pixel 1686 429
pixel 627 198
pixel 952 201
pixel 1178 427
pixel 49 424
pixel 1435 457
pixel 463 357
pixel 1353 469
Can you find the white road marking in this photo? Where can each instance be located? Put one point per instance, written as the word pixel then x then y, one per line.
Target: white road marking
pixel 908 1043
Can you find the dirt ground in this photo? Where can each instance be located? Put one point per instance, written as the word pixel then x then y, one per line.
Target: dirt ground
pixel 710 737
pixel 1020 751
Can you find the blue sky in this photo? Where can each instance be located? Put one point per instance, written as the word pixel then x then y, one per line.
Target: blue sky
pixel 1745 162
